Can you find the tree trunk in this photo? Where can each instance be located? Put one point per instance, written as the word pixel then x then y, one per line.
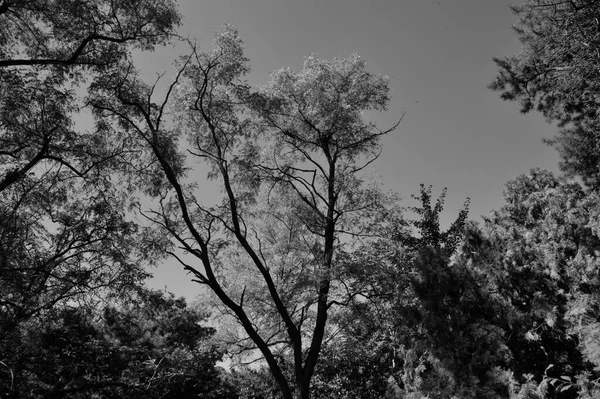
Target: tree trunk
pixel 302 392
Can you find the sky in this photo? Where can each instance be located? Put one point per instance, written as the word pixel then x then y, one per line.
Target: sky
pixel 456 133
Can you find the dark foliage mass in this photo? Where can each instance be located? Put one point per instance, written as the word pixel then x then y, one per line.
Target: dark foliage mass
pixel 150 346
pixel 318 283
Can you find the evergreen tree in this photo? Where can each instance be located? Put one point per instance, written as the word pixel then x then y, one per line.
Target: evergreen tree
pixel 557 74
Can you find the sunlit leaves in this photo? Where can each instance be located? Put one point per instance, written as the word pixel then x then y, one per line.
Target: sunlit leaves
pixel 289 158
pixel 544 248
pixel 322 105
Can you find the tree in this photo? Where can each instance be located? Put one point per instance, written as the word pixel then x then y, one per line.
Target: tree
pixel 557 74
pixel 547 229
pixel 64 234
pixel 356 362
pixel 150 346
pixel 300 141
pixel 47 46
pixel 429 308
pixel 424 322
pixel 63 229
pixel 538 254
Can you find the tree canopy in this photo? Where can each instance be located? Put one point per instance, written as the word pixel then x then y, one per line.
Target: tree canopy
pixel 556 74
pixel 289 154
pixel 151 346
pixel 315 282
pixel 65 236
pixel 64 230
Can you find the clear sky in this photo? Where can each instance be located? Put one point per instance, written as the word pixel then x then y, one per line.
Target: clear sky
pixel 456 133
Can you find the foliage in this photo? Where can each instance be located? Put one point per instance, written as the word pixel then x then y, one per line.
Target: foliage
pixel 507 310
pixel 49 48
pixel 296 147
pixel 354 364
pixel 447 334
pixel 65 238
pixel 422 323
pixel 538 256
pixel 148 347
pixel 543 244
pixel 557 74
pixel 63 230
pixel 255 383
pixel 323 281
